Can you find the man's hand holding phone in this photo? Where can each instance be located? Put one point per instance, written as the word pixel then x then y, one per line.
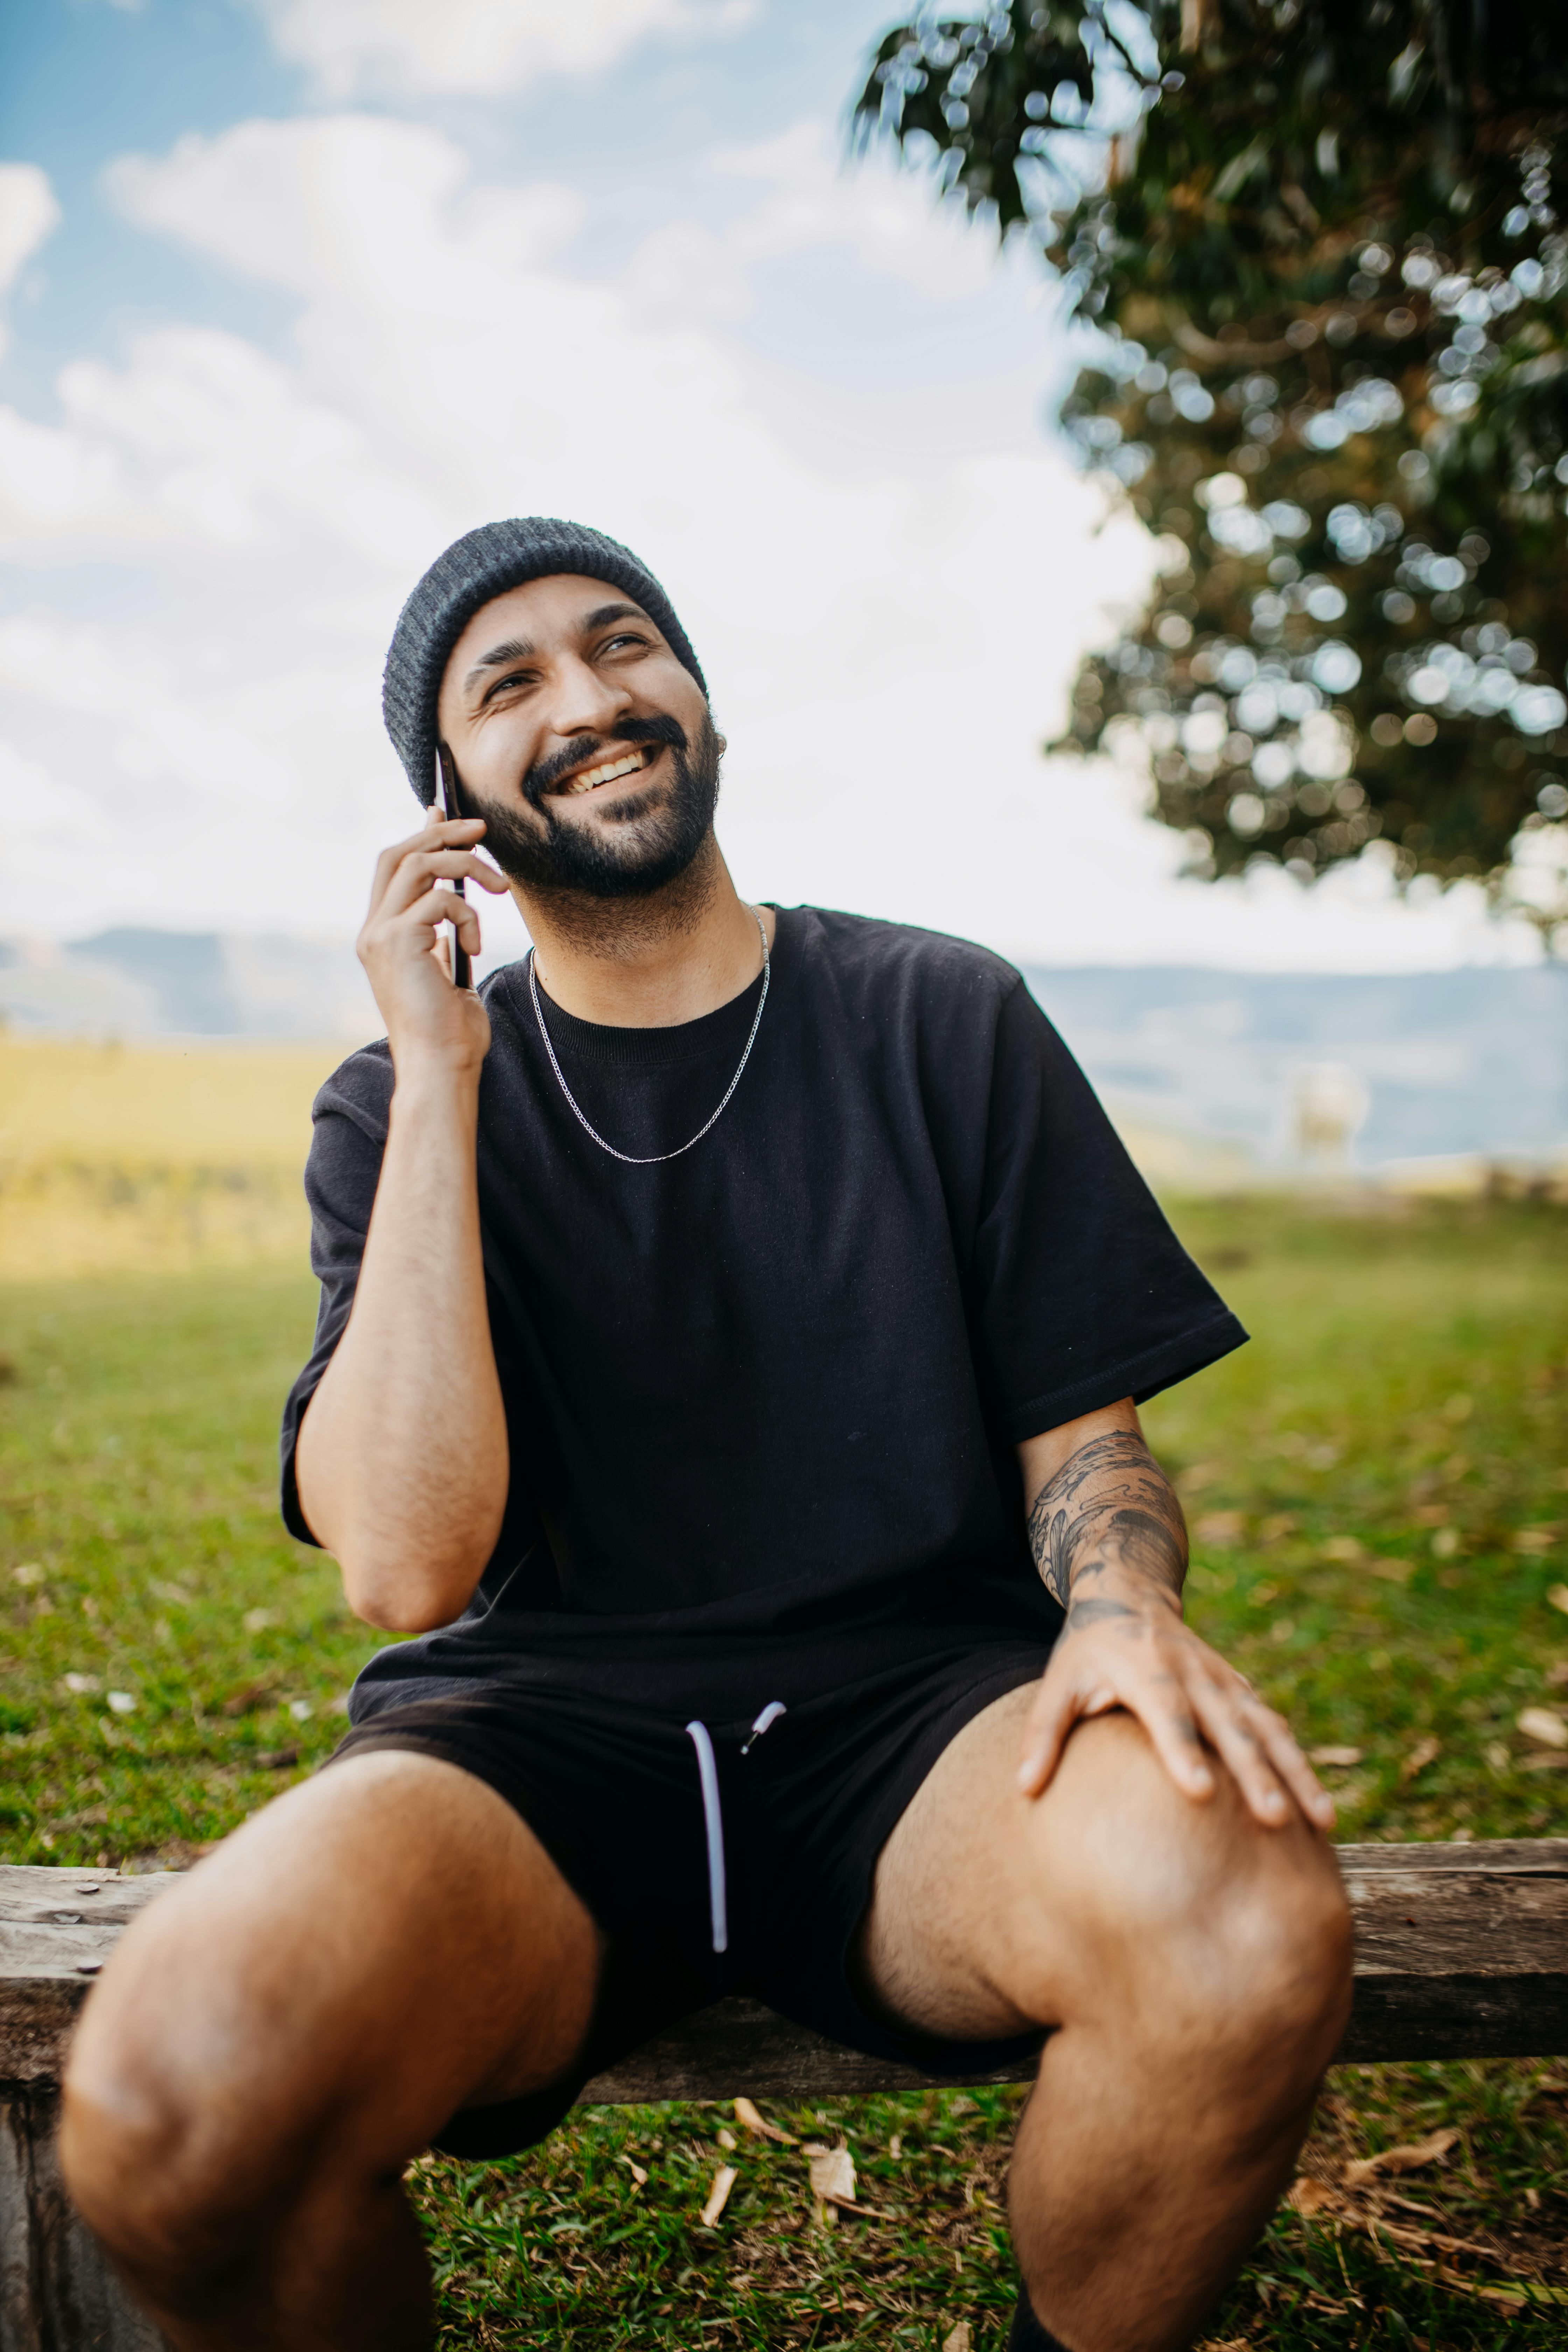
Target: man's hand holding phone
pixel 405 958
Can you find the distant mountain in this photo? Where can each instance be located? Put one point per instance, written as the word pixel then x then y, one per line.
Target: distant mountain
pixel 1444 1061
pixel 137 984
pixel 1412 1066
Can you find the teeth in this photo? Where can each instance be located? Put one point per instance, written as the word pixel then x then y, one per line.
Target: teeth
pixel 608 772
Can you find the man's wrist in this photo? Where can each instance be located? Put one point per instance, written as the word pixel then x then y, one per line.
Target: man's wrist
pixel 442 1085
pixel 1114 1579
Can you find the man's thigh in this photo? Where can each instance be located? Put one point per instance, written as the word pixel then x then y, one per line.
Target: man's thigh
pixel 992 1912
pixel 383 1944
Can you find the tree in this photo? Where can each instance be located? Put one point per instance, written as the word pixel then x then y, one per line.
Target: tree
pixel 1321 239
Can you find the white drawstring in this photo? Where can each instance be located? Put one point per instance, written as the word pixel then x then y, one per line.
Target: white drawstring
pixel 714 1820
pixel 770 1714
pixel 713 1816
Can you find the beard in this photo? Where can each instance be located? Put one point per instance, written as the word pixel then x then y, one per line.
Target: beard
pixel 645 842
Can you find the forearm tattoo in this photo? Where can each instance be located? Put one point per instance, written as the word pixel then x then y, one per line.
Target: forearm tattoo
pixel 1109 1506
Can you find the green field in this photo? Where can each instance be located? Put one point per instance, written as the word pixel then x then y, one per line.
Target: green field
pixel 1379 1492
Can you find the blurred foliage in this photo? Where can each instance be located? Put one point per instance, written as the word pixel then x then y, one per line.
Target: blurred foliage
pixel 1322 241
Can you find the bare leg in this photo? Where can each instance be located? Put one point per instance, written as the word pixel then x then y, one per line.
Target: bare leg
pixel 273 2039
pixel 1196 1969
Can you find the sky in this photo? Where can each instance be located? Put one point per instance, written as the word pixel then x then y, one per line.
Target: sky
pixel 292 292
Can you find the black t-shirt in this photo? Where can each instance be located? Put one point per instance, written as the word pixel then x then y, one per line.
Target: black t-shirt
pixel 771 1390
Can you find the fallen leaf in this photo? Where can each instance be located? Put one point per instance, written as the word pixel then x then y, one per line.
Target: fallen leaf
pixel 1558 1596
pixel 1278 1524
pixel 1347 1548
pixel 725 2138
pixel 1446 1542
pixel 832 2175
pixel 1557 1675
pixel 896 2148
pixel 751 2119
pixel 253 1696
pixel 724 2179
pixel 1343 1756
pixel 122 1702
pixel 1392 1571
pixel 638 2175
pixel 959 2339
pixel 301 1709
pixel 276 1759
pixel 1424 1752
pixel 1543 1725
pixel 30 1572
pixel 1533 1541
pixel 1197 1476
pixel 1310 2195
pixel 1221 1528
pixel 1408 2158
pixel 257 1620
pixel 81 1684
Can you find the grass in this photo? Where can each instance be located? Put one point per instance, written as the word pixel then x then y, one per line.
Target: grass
pixel 1377 1489
pixel 167 1156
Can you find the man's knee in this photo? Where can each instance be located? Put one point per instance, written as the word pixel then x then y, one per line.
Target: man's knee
pixel 171 2144
pixel 1191 1924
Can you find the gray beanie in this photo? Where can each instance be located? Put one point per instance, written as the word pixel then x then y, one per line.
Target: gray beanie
pixel 482 564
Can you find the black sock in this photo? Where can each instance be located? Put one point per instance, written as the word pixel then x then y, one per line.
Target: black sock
pixel 1027 2335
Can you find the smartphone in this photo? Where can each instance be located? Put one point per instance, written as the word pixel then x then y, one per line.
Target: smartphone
pixel 447 801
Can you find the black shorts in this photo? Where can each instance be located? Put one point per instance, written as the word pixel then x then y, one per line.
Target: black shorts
pixel 731 1857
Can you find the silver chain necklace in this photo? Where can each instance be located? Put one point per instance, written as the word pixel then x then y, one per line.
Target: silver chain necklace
pixel 651 1159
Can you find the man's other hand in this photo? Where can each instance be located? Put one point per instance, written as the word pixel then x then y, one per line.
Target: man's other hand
pixel 1125 1645
pixel 407 959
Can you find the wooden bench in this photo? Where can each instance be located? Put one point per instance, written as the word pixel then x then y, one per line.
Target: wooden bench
pixel 1461 1952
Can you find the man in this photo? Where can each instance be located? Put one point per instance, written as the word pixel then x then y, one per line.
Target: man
pixel 733 1321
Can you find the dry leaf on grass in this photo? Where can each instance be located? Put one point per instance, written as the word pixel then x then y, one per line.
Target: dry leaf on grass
pixel 724 2179
pixel 751 2119
pixel 959 2339
pixel 832 2174
pixel 1308 2195
pixel 1408 2158
pixel 1347 1549
pixel 1558 1596
pixel 725 2138
pixel 1543 1725
pixel 1392 1572
pixel 639 2176
pixel 1341 1755
pixel 1424 1752
pixel 1557 1675
pixel 1221 1529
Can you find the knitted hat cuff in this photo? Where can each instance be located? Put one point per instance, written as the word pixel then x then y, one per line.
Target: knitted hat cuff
pixel 483 564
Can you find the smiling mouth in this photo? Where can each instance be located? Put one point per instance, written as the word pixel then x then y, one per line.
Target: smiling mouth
pixel 626 763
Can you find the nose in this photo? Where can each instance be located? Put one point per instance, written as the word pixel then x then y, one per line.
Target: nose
pixel 585 702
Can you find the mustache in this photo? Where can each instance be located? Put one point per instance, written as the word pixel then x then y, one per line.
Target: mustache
pixel 546 774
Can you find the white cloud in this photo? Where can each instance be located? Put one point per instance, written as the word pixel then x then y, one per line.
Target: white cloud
pixel 29 215
pixel 481 49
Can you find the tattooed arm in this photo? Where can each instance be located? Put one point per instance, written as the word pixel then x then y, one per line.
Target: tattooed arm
pixel 1109 1505
pixel 1108 1537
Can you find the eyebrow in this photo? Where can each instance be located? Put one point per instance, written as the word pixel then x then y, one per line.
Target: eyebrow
pixel 524 649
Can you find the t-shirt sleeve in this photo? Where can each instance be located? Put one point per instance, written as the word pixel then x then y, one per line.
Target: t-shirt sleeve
pixel 347 1141
pixel 1082 1292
